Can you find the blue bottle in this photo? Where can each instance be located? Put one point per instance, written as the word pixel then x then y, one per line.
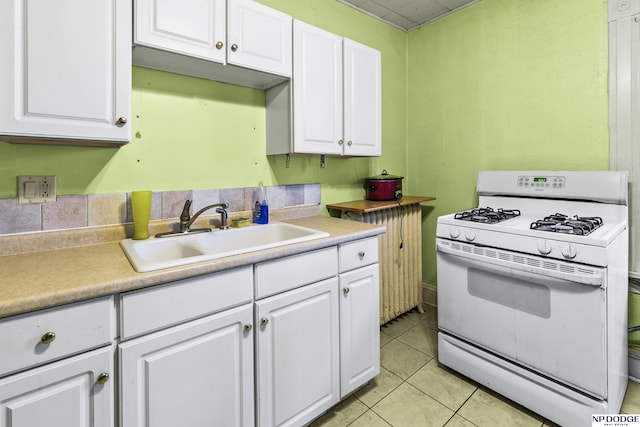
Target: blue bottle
pixel 261 211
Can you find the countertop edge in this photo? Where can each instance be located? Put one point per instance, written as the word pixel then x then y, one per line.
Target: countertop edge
pixel 26 290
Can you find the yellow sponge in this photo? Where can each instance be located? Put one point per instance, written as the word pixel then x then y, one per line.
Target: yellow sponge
pixel 240 222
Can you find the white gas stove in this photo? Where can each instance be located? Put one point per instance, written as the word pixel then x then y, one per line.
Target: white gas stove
pixel 532 290
pixel 502 192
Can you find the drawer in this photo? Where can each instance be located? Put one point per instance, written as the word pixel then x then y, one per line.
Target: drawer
pixel 294 271
pixel 150 309
pixel 26 340
pixel 358 253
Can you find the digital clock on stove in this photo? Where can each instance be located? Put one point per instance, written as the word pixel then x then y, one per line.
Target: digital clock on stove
pixel 541 182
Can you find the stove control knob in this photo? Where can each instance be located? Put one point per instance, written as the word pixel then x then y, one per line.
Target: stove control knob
pixel 454 232
pixel 569 252
pixel 544 247
pixel 470 235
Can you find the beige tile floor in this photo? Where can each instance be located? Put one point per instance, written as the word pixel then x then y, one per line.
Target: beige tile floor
pixel 414 390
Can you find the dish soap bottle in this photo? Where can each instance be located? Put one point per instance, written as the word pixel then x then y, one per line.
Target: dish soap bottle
pixel 261 212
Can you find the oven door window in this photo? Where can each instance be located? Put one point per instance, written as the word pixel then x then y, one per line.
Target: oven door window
pixel 520 295
pixel 553 326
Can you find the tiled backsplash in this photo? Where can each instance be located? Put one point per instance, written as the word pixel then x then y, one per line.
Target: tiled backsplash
pixel 79 211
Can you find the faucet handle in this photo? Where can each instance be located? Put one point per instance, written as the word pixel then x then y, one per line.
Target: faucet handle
pixel 185 216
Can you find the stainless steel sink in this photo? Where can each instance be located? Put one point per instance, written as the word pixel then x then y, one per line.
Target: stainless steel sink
pixel 157 253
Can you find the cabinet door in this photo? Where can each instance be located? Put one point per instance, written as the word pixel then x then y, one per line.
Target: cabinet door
pixel 259 37
pixel 66 70
pixel 359 327
pixel 297 354
pixel 67 393
pixel 196 374
pixel 362 100
pixel 191 27
pixel 317 90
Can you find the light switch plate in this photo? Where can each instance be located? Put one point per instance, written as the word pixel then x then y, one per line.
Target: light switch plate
pixel 36 189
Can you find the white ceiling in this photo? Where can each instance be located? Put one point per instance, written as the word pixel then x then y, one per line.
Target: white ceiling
pixel 407 14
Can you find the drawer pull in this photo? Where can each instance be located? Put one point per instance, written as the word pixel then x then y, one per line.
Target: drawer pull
pixel 264 321
pixel 103 378
pixel 346 290
pixel 248 327
pixel 48 337
pixel 361 254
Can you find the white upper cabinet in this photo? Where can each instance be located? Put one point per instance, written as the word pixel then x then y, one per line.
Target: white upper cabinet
pixel 65 75
pixel 202 38
pixel 362 100
pixel 333 105
pixel 259 38
pixel 317 90
pixel 190 27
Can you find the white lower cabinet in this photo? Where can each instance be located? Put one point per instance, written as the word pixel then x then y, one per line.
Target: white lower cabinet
pixel 301 334
pixel 272 344
pixel 297 354
pixel 56 367
pixel 74 392
pixel 195 374
pixel 359 313
pixel 359 327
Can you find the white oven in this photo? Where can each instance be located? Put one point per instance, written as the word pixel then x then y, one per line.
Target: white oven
pixel 532 306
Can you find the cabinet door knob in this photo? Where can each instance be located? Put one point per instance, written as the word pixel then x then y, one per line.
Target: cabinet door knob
pixel 361 254
pixel 248 327
pixel 346 290
pixel 349 143
pixel 48 337
pixel 219 45
pixel 234 47
pixel 340 142
pixel 264 321
pixel 103 378
pixel 121 121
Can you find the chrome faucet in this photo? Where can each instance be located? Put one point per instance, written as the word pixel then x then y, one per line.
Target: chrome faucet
pixel 186 220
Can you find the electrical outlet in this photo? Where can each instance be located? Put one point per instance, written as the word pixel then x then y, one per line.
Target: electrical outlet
pixel 36 189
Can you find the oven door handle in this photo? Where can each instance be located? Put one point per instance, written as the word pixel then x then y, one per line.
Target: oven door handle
pixel 521 270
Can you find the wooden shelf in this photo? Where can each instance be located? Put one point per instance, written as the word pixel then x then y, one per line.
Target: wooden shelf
pixel 364 206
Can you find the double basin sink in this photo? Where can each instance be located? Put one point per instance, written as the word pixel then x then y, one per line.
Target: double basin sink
pixel 187 248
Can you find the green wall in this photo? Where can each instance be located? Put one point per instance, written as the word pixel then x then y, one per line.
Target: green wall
pixel 504 84
pixel 189 133
pixel 488 87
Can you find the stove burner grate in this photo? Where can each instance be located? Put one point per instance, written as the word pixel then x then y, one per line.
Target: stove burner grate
pixel 560 223
pixel 487 215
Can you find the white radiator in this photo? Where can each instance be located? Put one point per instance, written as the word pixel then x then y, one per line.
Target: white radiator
pixel 400 258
